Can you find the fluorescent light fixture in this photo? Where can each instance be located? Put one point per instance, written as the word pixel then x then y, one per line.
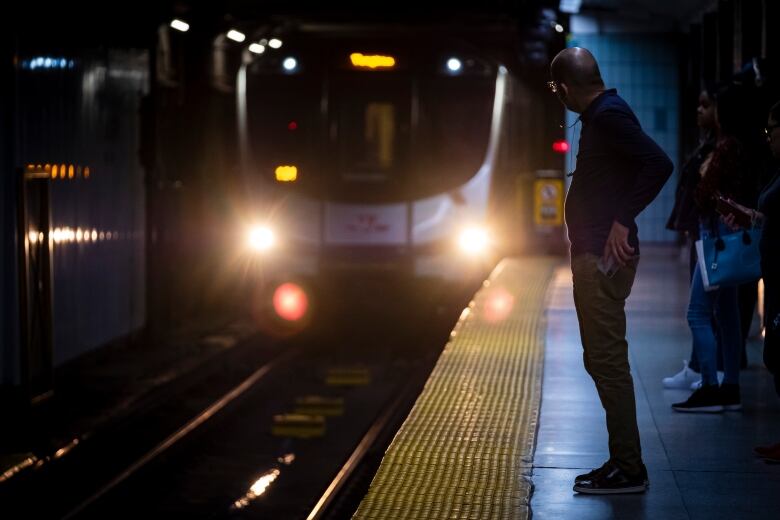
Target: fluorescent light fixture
pixel 180 25
pixel 257 48
pixel 236 36
pixel 570 6
pixel 47 62
pixel 275 43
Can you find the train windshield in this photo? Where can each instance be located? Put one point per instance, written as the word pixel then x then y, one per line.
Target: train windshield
pixel 371 123
pixel 453 129
pixel 370 135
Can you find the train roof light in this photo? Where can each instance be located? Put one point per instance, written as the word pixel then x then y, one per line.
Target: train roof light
pixel 275 43
pixel 371 61
pixel 236 36
pixel 454 65
pixel 180 25
pixel 290 64
pixel 256 48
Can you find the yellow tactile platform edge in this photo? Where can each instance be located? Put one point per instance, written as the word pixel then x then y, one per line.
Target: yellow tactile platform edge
pixel 466 448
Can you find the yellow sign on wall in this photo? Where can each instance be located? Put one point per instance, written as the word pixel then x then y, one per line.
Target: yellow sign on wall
pixel 548 202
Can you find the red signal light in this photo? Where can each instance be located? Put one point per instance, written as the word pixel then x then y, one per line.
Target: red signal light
pixel 560 146
pixel 292 126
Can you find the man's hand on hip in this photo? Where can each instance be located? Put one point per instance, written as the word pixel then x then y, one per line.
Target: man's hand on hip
pixel 617 244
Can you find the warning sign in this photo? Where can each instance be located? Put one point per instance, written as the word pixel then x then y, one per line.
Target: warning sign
pixel 548 202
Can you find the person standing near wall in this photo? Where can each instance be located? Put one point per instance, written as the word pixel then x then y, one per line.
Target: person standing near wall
pixel 620 170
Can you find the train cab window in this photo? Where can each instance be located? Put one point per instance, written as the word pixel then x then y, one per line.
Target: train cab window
pixel 371 130
pixel 370 134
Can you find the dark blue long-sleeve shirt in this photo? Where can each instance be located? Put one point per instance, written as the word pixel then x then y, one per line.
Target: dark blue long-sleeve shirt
pixel 620 170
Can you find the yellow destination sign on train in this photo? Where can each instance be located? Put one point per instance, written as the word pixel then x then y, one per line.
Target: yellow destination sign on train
pixel 371 61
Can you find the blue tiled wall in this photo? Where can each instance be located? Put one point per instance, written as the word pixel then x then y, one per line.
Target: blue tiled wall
pixel 644 70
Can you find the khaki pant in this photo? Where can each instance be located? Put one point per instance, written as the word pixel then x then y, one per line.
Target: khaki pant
pixel 600 304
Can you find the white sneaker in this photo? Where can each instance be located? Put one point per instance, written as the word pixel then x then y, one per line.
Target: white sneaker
pixel 682 379
pixel 697 384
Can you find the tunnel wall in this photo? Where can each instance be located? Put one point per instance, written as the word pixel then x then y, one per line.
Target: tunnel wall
pixel 83 118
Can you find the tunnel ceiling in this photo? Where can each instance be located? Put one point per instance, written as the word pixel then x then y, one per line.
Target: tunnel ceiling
pixel 676 10
pixel 135 22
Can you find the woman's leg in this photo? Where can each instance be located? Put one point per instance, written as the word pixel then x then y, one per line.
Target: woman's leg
pixel 748 297
pixel 700 311
pixel 772 324
pixel 727 313
pixel 693 364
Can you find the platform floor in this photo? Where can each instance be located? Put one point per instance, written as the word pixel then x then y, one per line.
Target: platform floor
pixel 465 448
pixel 701 466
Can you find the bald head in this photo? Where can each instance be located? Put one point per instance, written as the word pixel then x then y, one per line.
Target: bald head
pixel 577 68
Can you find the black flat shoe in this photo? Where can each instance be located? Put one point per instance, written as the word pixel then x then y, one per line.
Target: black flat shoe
pixel 611 481
pixel 706 399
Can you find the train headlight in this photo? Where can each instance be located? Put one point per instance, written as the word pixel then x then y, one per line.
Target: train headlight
pixel 474 241
pixel 261 239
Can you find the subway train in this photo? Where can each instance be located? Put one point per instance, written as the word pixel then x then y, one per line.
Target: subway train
pixel 382 152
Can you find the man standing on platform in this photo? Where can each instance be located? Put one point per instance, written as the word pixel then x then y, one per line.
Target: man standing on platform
pixel 620 170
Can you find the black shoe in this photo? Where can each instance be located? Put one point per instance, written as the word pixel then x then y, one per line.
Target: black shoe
pixel 729 397
pixel 611 481
pixel 706 399
pixel 607 466
pixel 593 474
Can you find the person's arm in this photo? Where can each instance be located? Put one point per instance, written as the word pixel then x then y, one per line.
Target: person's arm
pixel 756 217
pixel 627 139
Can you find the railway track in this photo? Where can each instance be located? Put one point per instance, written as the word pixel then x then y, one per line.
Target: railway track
pixel 221 459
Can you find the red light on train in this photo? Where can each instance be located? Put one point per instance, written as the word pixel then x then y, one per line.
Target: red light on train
pixel 290 302
pixel 560 146
pixel 292 126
